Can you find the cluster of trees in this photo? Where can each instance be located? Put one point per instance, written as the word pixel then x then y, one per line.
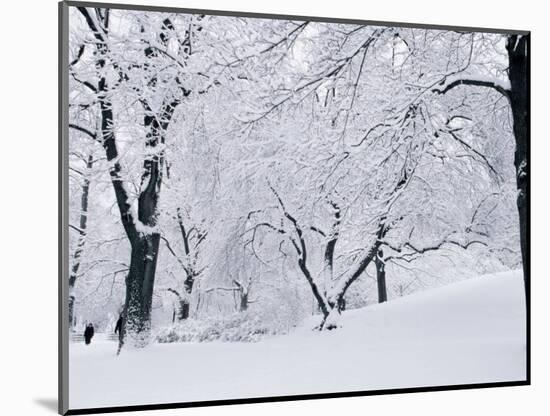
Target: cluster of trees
pixel 224 162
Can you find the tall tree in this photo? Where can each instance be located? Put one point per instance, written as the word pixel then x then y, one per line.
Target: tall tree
pixel 141 228
pixel 517 94
pixel 81 230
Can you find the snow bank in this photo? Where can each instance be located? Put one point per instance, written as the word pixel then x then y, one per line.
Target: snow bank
pixel 468 332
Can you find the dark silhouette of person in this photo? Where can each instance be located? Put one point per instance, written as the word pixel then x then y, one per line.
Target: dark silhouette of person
pixel 88 333
pixel 118 325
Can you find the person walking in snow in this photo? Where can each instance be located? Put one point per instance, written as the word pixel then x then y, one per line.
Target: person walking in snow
pixel 88 333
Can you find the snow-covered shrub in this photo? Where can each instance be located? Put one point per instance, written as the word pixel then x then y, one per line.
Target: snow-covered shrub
pixel 238 327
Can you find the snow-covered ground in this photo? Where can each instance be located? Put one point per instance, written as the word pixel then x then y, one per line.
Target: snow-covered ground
pixel 468 332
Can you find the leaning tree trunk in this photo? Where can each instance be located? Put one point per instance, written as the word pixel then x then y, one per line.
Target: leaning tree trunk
pixel 335 301
pixel 518 72
pixel 83 222
pixel 381 277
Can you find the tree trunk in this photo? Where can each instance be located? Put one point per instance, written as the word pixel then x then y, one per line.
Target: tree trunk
pixel 144 240
pixel 244 301
pixel 186 303
pixel 183 306
pixel 136 324
pixel 71 308
pixel 83 223
pixel 341 304
pixel 145 247
pixel 190 272
pixel 518 72
pixel 335 301
pixel 184 309
pixel 314 288
pixel 381 277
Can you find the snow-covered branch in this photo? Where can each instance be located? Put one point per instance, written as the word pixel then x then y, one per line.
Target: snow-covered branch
pixel 450 83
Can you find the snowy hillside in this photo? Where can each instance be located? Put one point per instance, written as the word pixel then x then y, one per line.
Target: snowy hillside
pixel 468 332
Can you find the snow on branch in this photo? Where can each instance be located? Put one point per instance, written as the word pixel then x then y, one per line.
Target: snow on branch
pixel 471 148
pixel 87 84
pixel 301 250
pixel 409 251
pixel 171 250
pixel 449 83
pixel 83 130
pixel 78 230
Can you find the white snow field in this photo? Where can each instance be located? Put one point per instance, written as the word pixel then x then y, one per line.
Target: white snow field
pixel 467 332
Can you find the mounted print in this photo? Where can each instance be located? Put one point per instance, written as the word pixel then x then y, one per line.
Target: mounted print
pixel 260 207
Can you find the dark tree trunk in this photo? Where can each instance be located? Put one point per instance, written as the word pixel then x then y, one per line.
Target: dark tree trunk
pixel 145 243
pixel 329 257
pixel 370 256
pixel 184 309
pixel 188 286
pixel 189 281
pixel 341 304
pixel 83 223
pixel 244 301
pixel 334 234
pixel 518 72
pixel 140 281
pixel 314 288
pixel 183 306
pixel 329 254
pixel 188 267
pixel 381 277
